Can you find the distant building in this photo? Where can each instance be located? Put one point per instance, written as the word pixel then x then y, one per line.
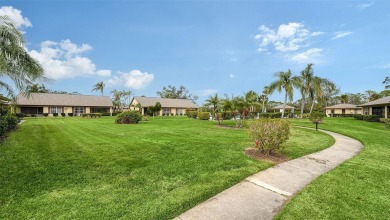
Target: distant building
pixel 168 106
pixel 39 103
pixel 342 109
pixel 377 107
pixel 280 108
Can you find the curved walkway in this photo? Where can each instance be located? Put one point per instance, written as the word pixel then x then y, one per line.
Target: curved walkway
pixel 263 194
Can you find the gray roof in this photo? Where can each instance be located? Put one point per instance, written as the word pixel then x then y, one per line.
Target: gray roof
pixel 49 99
pixel 381 101
pixel 168 103
pixel 343 106
pixel 281 107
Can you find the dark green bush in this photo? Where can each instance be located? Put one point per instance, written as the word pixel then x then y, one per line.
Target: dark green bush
pixel 70 114
pixel 63 114
pixel 344 115
pixel 45 114
pixel 271 115
pixel 358 117
pixel 106 114
pixel 387 123
pixel 20 115
pixel 55 114
pixel 316 117
pixel 227 115
pixel 12 122
pixel 203 115
pixel 371 118
pixel 130 117
pixel 193 114
pixel 32 115
pixel 3 126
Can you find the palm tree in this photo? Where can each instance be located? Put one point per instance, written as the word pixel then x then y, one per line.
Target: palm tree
pixel 214 101
pixel 264 97
pixel 304 83
pixel 99 87
pixel 387 81
pixel 251 98
pixel 318 86
pixel 284 82
pixel 15 62
pixel 116 100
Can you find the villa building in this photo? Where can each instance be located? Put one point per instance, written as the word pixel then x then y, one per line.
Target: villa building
pixel 342 109
pixel 168 106
pixel 40 103
pixel 280 108
pixel 377 107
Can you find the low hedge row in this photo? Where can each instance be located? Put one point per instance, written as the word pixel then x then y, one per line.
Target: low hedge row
pixel 369 118
pixel 91 115
pixel 203 115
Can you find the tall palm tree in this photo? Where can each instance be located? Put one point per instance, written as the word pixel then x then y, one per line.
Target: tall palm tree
pixel 264 97
pixel 15 62
pixel 304 82
pixel 318 86
pixel 284 82
pixel 214 101
pixel 251 97
pixel 99 87
pixel 387 81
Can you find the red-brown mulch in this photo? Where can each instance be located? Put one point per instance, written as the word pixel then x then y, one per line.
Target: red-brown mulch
pixel 274 157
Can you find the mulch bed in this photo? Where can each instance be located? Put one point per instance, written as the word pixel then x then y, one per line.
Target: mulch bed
pixel 274 157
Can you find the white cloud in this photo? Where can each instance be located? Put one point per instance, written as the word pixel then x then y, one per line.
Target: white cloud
pixel 134 79
pixel 231 76
pixel 64 60
pixel 341 34
pixel 308 56
pixel 287 37
pixel 16 16
pixel 207 92
pixel 364 5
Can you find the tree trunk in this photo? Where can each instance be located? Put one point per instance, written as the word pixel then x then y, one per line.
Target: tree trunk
pixel 302 105
pixel 312 105
pixel 262 110
pixel 284 105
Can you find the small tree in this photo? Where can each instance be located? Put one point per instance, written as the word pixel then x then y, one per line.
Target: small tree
pixel 269 134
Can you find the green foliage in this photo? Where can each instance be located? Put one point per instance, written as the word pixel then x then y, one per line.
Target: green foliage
pixel 3 127
pixel 269 134
pixel 316 117
pixel 12 122
pixel 271 115
pixel 358 117
pixel 387 123
pixel 371 118
pixel 129 117
pixel 63 114
pixel 45 114
pixel 227 115
pixel 91 115
pixel 70 114
pixel 55 114
pixel 345 115
pixel 106 114
pixel 203 115
pixel 20 115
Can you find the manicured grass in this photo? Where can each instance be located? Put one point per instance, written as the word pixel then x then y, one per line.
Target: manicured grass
pixel 70 168
pixel 357 189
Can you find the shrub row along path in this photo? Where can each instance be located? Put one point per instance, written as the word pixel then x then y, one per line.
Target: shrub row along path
pixel 262 195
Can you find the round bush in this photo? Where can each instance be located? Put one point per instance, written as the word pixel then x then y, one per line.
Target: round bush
pixel 129 117
pixel 203 116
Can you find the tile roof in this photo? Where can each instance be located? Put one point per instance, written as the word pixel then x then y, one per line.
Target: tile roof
pixel 281 107
pixel 49 99
pixel 381 101
pixel 168 103
pixel 343 106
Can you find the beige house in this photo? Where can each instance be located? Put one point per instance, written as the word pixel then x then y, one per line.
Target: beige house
pixel 377 107
pixel 342 109
pixel 40 103
pixel 168 106
pixel 280 108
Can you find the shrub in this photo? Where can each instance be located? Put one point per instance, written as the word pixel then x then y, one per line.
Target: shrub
pixel 114 113
pixel 344 115
pixel 12 122
pixel 219 118
pixel 20 115
pixel 371 118
pixel 84 115
pixel 316 117
pixel 358 117
pixel 203 115
pixel 70 114
pixel 271 115
pixel 129 117
pixel 227 115
pixel 45 114
pixel 32 115
pixel 269 134
pixel 3 126
pixel 387 123
pixel 63 114
pixel 193 114
pixel 145 118
pixel 55 114
pixel 106 114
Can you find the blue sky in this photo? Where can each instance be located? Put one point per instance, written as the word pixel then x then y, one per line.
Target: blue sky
pixel 207 46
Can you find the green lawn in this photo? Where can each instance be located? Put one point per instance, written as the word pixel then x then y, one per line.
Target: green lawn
pixel 357 189
pixel 70 168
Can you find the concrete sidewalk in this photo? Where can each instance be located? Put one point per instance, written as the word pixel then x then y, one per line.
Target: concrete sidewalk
pixel 262 195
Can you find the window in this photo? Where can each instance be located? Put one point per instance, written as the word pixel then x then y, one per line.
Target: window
pixel 78 110
pixel 378 111
pixel 55 109
pixel 166 110
pixel 32 110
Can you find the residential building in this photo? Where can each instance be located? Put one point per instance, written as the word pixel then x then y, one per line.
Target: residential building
pixel 342 109
pixel 280 108
pixel 40 103
pixel 168 106
pixel 377 107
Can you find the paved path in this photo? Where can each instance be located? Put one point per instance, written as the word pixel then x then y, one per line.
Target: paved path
pixel 261 195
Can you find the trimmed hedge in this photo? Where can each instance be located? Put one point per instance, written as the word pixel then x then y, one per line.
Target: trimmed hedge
pixel 20 115
pixel 344 115
pixel 55 114
pixel 129 117
pixel 371 118
pixel 45 114
pixel 107 114
pixel 203 115
pixel 91 115
pixel 8 123
pixel 271 115
pixel 63 114
pixel 70 114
